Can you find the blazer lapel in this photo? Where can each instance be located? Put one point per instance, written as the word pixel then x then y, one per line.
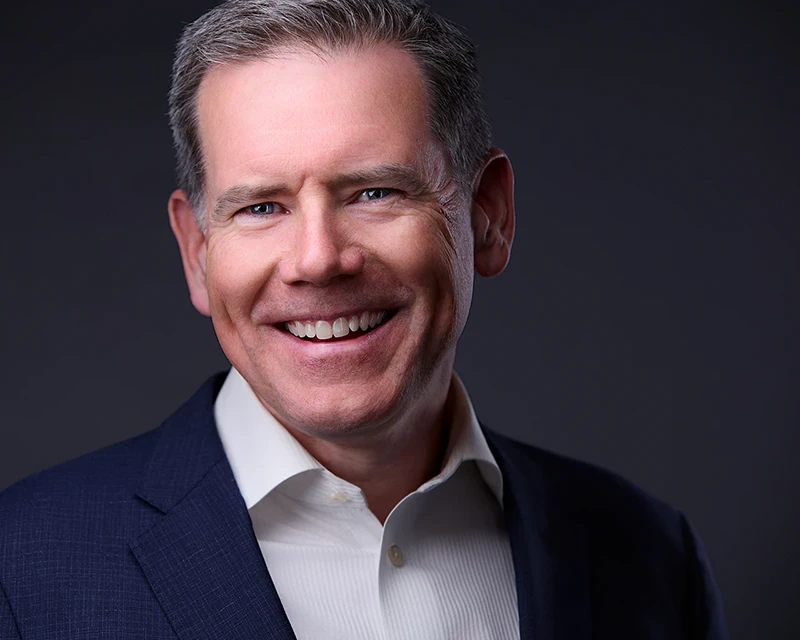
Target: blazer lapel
pixel 548 544
pixel 202 559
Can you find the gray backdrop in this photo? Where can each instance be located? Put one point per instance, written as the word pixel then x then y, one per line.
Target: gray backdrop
pixel 647 321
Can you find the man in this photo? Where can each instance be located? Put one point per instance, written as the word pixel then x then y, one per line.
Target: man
pixel 338 187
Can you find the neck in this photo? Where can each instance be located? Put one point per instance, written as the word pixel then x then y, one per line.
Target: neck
pixel 397 460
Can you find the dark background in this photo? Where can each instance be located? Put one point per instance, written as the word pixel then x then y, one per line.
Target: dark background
pixel 648 319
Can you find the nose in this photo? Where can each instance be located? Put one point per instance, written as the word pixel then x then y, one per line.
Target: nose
pixel 322 250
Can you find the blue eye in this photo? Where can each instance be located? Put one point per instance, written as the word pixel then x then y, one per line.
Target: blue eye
pixel 261 209
pixel 375 194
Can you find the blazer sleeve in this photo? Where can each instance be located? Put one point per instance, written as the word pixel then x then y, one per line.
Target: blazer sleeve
pixel 705 619
pixel 8 626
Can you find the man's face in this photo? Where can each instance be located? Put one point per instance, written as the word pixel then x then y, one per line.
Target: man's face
pixel 326 195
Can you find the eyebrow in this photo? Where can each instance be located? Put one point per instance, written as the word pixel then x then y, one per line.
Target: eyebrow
pixel 238 195
pixel 388 175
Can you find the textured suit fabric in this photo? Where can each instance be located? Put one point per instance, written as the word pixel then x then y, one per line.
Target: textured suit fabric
pixel 150 538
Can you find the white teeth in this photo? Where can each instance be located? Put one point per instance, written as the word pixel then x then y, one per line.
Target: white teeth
pixel 324 330
pixel 340 328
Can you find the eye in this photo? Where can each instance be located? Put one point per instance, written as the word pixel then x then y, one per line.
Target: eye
pixel 374 194
pixel 262 208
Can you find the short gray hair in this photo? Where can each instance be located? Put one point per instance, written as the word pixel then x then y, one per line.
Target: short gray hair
pixel 243 30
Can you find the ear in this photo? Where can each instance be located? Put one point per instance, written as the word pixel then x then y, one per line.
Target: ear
pixel 493 214
pixel 192 243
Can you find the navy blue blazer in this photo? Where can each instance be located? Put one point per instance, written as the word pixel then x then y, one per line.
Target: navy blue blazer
pixel 150 539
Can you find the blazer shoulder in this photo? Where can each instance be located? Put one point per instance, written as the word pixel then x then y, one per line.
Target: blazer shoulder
pixel 633 538
pixel 591 493
pixel 95 493
pixel 114 473
pixel 105 476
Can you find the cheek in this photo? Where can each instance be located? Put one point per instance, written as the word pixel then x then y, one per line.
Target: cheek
pixel 235 273
pixel 434 258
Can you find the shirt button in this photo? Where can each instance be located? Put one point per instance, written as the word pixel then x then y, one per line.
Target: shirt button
pixel 337 498
pixel 395 555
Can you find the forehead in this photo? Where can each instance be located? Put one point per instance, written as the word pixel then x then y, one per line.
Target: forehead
pixel 302 115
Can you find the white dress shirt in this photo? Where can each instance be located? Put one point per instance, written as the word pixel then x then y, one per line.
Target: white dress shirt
pixel 439 568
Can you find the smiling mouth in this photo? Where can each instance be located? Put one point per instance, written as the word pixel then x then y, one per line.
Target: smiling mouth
pixel 343 328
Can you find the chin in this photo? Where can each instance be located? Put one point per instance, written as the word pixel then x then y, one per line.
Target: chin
pixel 340 411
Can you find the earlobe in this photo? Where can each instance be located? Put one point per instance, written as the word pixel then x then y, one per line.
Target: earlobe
pixel 192 244
pixel 493 214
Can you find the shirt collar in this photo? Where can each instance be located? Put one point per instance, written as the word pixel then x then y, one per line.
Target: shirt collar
pixel 263 455
pixel 261 452
pixel 466 442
